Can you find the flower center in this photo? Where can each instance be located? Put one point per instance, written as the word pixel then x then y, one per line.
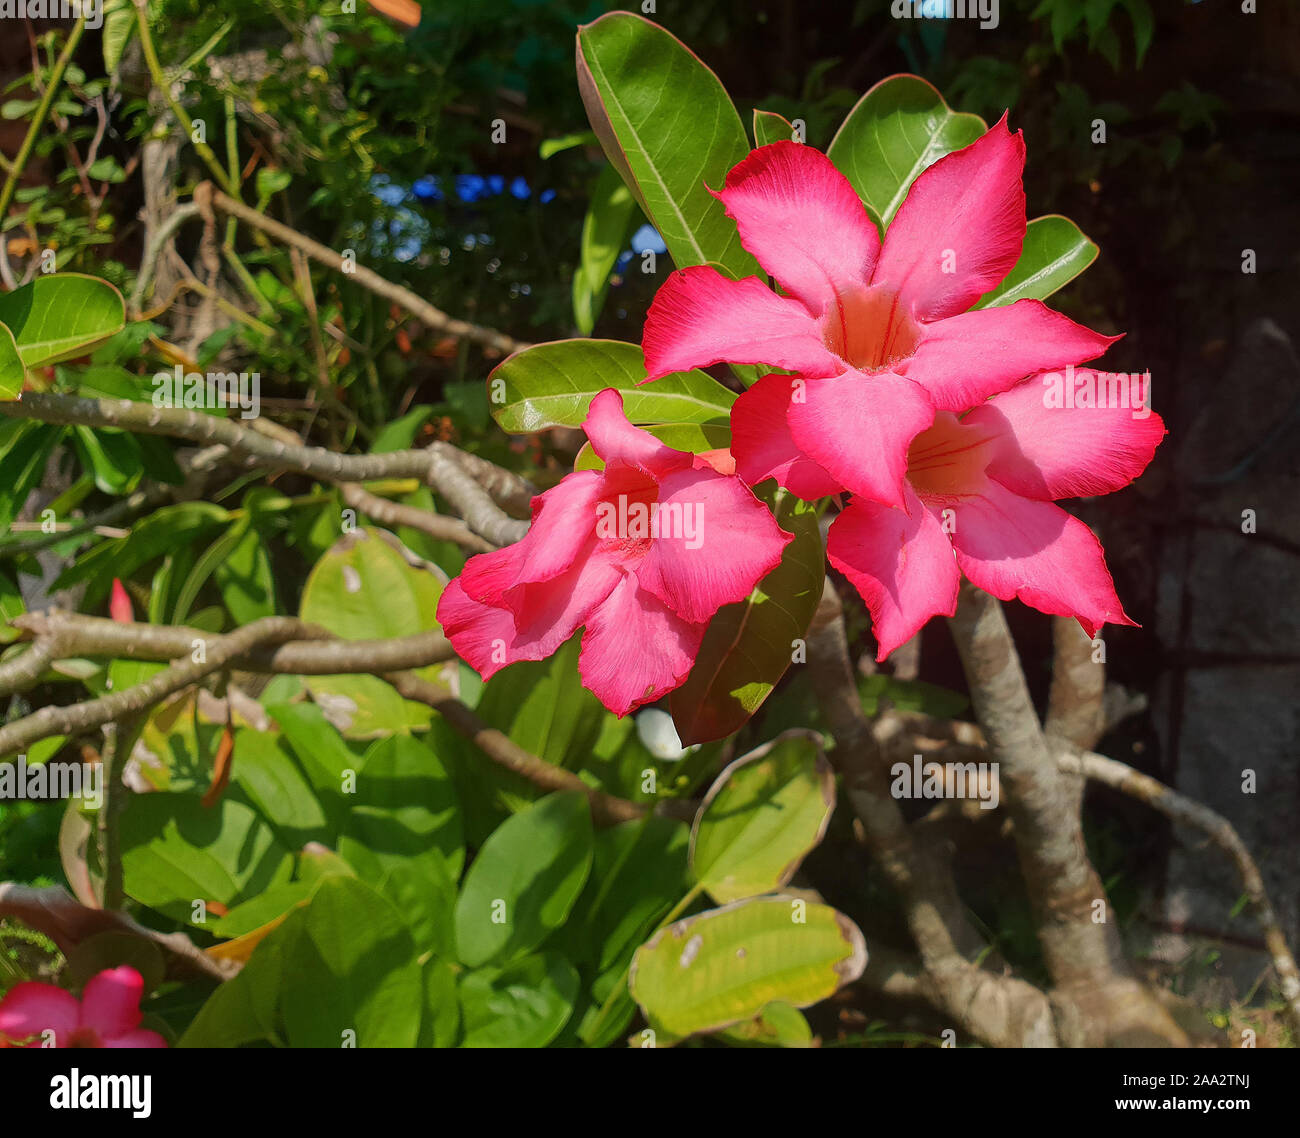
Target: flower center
pixel 949 458
pixel 870 329
pixel 626 511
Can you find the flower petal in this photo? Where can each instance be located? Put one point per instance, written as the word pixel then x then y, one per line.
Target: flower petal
pixel 1019 547
pixel 858 427
pixel 635 650
pixel 764 447
pixel 804 222
pixel 699 318
pixel 111 1002
pixel 613 437
pixel 716 542
pixel 480 633
pixel 964 359
pixel 902 564
pixel 1054 451
pixel 960 230
pixel 30 1008
pixel 563 520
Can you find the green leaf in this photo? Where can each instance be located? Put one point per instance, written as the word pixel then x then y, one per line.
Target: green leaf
pixel 112 457
pixel 245 579
pixel 404 812
pixel 267 774
pixel 525 880
pixel 12 372
pixel 61 316
pixel 353 970
pixel 119 26
pixel 425 895
pixel 668 127
pixel 749 645
pixel 11 606
pixel 779 1025
pixel 898 129
pixel 551 385
pixel 522 1005
pixel 726 965
pixel 441 1022
pixel 175 851
pixel 1054 253
pixel 24 450
pixel 638 873
pixel 762 816
pixel 365 588
pixel 611 217
pixel 771 127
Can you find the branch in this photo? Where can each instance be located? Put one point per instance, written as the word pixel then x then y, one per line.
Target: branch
pixel 1076 705
pixel 446 476
pixel 1220 831
pixel 282 646
pixel 395 514
pixel 434 317
pixel 999 1010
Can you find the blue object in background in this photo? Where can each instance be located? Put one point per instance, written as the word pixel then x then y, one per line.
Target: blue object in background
pixel 386 190
pixel 496 183
pixel 470 187
pixel 647 240
pixel 428 188
pixel 519 189
pixel 546 197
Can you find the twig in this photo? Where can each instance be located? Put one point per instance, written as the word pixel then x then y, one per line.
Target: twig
pixel 1220 831
pixel 38 119
pixel 395 514
pixel 446 476
pixel 434 317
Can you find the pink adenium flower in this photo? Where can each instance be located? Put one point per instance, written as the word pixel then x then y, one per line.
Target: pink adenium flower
pixel 107 1015
pixel 982 486
pixel 642 554
pixel 882 335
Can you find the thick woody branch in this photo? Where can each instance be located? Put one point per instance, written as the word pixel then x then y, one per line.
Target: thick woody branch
pixel 282 645
pixel 445 475
pixel 1000 1010
pixel 395 514
pixel 1076 705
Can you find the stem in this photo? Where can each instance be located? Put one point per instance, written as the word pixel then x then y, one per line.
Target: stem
pixel 187 124
pixel 38 120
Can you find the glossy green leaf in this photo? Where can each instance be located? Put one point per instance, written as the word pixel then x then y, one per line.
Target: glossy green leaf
pixel 524 1004
pixel 897 130
pixel 265 771
pixel 1054 253
pixel 352 976
pixel 611 217
pixel 551 385
pixel 365 588
pixel 404 811
pixel 61 315
pixel 175 851
pixel 726 965
pixel 762 816
pixel 668 127
pixel 12 372
pixel 245 579
pixel 749 645
pixel 771 127
pixel 441 1021
pixel 525 880
pixel 778 1025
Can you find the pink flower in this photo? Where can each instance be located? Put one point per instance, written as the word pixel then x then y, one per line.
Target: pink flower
pixel 881 334
pixel 107 1015
pixel 983 486
pixel 642 554
pixel 119 604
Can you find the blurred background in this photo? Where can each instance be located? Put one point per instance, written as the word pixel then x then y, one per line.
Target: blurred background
pixel 372 130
